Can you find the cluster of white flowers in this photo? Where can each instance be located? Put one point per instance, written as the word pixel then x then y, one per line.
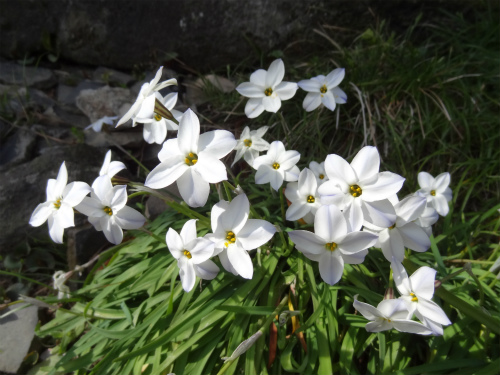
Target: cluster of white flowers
pixel 353 206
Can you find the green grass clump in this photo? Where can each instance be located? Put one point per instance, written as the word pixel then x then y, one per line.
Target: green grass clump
pixel 428 100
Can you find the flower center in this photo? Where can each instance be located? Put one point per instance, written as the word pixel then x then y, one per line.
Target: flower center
pixel 108 210
pixel 191 159
pixel 247 142
pixel 389 320
pixel 323 89
pixel 321 176
pixel 392 226
pixel 414 299
pixel 332 246
pixel 433 193
pixel 310 199
pixel 157 117
pixel 57 203
pixel 276 166
pixel 355 191
pixel 187 254
pixel 230 237
pixel 268 91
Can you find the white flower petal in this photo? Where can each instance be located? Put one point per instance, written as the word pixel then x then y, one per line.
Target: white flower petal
pixel 193 188
pixel 250 90
pixel 167 172
pixel 414 237
pixel 128 218
pixel 236 215
pixel 217 210
pixel 335 77
pixel 331 267
pixel 91 207
pixel 286 90
pixel 378 326
pixel 339 95
pixel 225 261
pixel 441 182
pixel 425 180
pixel 297 210
pixel 311 101
pixel 354 213
pixel 432 311
pixel 188 231
pixel 155 132
pixel 292 174
pixel 337 168
pixel 209 168
pixel 174 243
pixel 111 230
pixel 186 273
pixel 422 282
pixel 61 181
pixel 329 223
pixel 440 203
pixel 217 143
pixel 392 244
pixel 240 261
pixel 255 233
pixel 64 216
pixel 366 163
pixel 275 73
pixel 75 192
pixel 259 77
pixel 368 311
pixel 188 133
pixel 357 241
pixel 310 85
pixel 41 214
pixel 410 208
pixel 55 230
pixel 114 168
pixel 119 199
pixel 254 107
pixel 206 270
pixel 170 149
pixel 307 242
pixel 400 278
pixel 380 213
pixel 328 101
pixel 356 258
pixel 271 103
pixel 387 184
pixel 201 250
pixel 410 326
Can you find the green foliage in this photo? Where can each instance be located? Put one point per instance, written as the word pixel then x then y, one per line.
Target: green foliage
pixel 427 100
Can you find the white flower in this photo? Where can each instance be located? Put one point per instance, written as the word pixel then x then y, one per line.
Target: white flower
pixel 234 234
pixel 58 209
pixel 389 314
pixel 417 291
pixel 59 278
pixel 277 165
pixel 436 191
pixel 156 126
pixel 265 89
pixel 324 90
pixel 319 171
pixel 110 168
pixel 427 219
pixel 192 254
pixel 250 144
pixel 332 244
pixel 303 198
pixel 403 232
pixel 107 212
pixel 192 160
pixel 360 189
pixel 147 89
pixel 97 126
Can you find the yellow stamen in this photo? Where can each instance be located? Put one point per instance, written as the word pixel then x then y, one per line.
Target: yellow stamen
pixel 247 142
pixel 187 254
pixel 108 210
pixel 414 299
pixel 57 204
pixel 310 199
pixel 157 117
pixel 392 226
pixel 323 89
pixel 321 176
pixel 276 166
pixel 332 246
pixel 433 193
pixel 191 159
pixel 268 91
pixel 355 191
pixel 230 237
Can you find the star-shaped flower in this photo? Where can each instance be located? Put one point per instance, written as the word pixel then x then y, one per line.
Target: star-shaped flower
pixel 303 198
pixel 147 89
pixel 234 234
pixel 266 90
pixel 192 254
pixel 436 191
pixel 156 126
pixel 58 209
pixel 107 212
pixel 332 244
pixel 319 171
pixel 276 166
pixel 192 160
pixel 250 144
pixel 389 314
pixel 97 126
pixel 324 90
pixel 360 189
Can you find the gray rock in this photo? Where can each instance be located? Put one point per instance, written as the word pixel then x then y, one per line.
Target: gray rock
pixel 23 188
pixel 68 94
pixel 15 74
pixel 133 139
pixel 83 243
pixel 107 76
pixel 106 101
pixel 17 331
pixel 18 148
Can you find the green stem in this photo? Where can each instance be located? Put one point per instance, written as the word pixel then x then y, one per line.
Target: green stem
pixel 282 200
